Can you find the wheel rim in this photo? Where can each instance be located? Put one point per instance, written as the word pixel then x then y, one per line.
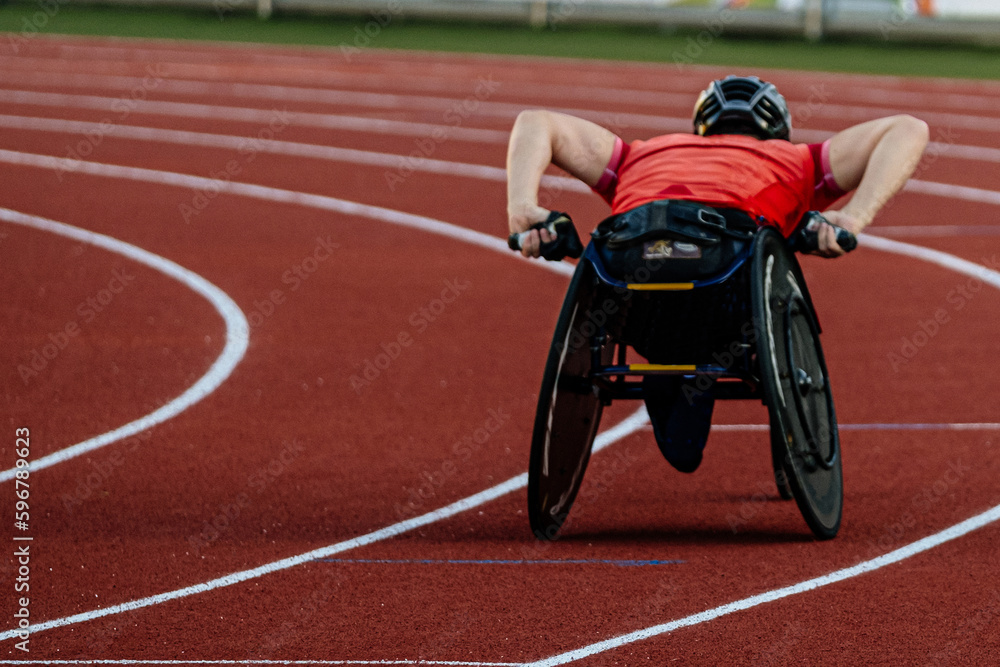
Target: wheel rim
pixel 796 387
pixel 568 414
pixel 810 389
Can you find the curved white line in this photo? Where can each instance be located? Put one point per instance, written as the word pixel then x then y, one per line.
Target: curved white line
pixel 120 73
pixel 237 335
pixel 631 424
pixel 116 106
pixel 396 68
pixel 953 191
pixel 620 430
pixel 991 515
pixel 942 259
pixel 277 195
pixel 388 160
pixel 927 543
pixel 277 147
pixel 320 88
pixel 500 110
pixel 246 189
pixel 260 661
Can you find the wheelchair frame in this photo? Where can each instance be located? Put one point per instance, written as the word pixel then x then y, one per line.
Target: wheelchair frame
pixel 759 306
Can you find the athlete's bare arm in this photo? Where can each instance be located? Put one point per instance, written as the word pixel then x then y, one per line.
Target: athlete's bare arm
pixel 541 138
pixel 874 159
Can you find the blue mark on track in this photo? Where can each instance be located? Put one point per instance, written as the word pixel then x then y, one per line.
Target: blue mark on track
pixel 434 561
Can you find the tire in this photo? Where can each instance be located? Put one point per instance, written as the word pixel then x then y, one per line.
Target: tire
pixel 778 454
pixel 796 386
pixel 569 410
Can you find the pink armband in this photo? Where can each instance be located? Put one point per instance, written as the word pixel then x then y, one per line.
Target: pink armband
pixel 609 179
pixel 828 182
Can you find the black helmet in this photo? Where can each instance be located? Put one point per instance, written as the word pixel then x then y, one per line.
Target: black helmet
pixel 742 105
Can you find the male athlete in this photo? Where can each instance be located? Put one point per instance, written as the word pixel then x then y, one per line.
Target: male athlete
pixel 739 157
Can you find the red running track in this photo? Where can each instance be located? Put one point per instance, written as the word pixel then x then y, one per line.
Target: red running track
pixel 293 452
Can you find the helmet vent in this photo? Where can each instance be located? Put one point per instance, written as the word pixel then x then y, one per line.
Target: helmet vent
pixel 739 90
pixel 742 105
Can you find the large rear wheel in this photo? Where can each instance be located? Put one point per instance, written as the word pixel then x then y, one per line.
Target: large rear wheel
pixel 569 407
pixel 796 386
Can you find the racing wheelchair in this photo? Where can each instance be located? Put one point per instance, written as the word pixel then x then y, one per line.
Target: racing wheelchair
pixel 748 331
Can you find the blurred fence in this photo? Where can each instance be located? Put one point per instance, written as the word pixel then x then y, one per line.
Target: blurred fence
pixel 957 21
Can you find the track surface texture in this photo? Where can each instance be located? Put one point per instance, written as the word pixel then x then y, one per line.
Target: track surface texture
pixel 379 361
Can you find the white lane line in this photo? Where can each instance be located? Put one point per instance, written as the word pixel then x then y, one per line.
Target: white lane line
pixel 122 108
pixel 281 196
pixel 276 195
pixel 279 147
pixel 321 65
pixel 237 335
pixel 952 533
pixel 483 106
pixel 954 191
pixel 890 558
pixel 452 115
pixel 251 661
pixel 906 426
pixel 938 258
pixel 451 110
pixel 630 425
pixel 321 82
pixel 371 158
pixel 637 420
pixel 937 118
pixel 936 230
pixel 168 79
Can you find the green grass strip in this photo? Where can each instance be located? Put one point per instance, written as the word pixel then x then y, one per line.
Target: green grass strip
pixel 24 19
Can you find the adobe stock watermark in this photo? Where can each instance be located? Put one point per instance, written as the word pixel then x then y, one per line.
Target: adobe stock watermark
pixel 455 116
pixel 793 634
pixel 373 27
pixel 752 506
pixel 101 638
pixel 293 277
pixel 956 299
pixel 462 451
pixel 436 647
pixel 899 15
pixel 372 368
pixel 224 7
pixel 945 139
pixel 257 482
pixel 644 611
pixel 89 309
pixel 819 95
pixel 92 481
pixel 32 25
pixel 930 496
pixel 123 106
pixel 247 151
pixel 975 628
pixel 297 617
pixel 552 188
pixel 695 46
pixel 599 479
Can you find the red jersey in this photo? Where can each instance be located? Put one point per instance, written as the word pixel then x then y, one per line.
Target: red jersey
pixel 774 181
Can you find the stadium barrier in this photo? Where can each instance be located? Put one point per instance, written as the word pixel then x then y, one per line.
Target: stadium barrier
pixel 947 21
